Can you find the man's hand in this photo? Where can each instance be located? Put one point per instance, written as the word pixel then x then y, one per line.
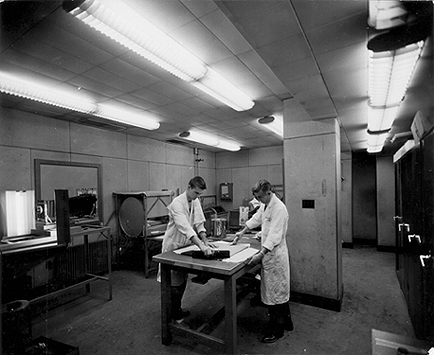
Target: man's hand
pixel 207 250
pixel 255 259
pixel 238 236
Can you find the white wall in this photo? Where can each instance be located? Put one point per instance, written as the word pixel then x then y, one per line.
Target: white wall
pixel 129 163
pixel 245 168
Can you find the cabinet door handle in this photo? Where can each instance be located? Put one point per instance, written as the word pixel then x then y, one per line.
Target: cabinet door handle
pixel 403 225
pixel 423 258
pixel 414 236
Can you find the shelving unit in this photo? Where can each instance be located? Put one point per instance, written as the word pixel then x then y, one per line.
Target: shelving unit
pixel 140 220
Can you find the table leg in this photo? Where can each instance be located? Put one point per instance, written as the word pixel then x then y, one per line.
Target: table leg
pixel 109 251
pixel 166 304
pixel 231 338
pixel 86 259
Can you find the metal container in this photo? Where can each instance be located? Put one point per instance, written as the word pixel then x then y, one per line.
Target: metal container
pixel 219 226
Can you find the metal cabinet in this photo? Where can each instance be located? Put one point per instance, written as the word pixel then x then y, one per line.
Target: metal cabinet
pixel 141 221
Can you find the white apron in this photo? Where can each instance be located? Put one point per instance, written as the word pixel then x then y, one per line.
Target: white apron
pixel 184 223
pixel 275 275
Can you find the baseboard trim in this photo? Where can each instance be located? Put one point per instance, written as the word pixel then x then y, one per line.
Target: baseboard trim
pixel 317 301
pixel 348 245
pixel 386 248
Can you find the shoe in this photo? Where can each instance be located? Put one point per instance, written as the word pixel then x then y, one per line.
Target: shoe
pixel 271 338
pixel 288 325
pixel 180 315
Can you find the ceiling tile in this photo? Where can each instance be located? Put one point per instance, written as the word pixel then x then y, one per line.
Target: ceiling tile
pixel 129 72
pixel 314 14
pixel 196 37
pixel 116 81
pixel 273 25
pixel 285 52
pixel 226 32
pixel 168 90
pixel 200 8
pixel 345 32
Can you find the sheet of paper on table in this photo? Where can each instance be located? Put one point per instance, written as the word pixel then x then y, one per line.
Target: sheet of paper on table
pixel 238 252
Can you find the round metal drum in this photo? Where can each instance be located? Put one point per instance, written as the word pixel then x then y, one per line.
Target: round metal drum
pixel 131 217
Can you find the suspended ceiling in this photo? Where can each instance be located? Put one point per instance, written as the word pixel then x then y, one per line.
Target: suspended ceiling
pixel 314 52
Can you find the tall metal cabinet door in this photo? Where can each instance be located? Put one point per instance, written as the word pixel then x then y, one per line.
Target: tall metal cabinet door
pixel 411 184
pixel 427 237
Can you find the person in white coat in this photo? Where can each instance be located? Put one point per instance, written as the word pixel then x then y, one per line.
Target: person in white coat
pixel 273 217
pixel 186 226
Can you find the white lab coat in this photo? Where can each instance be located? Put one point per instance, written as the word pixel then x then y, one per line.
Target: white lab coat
pixel 275 275
pixel 184 223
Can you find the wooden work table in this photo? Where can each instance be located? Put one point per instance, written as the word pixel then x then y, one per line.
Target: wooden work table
pixel 229 272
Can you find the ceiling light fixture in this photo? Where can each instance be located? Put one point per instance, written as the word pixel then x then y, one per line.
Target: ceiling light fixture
pixel 29 89
pixel 392 60
pixel 273 123
pixel 130 117
pixel 207 139
pixel 137 34
pixel 228 146
pixel 199 137
pixel 390 72
pixel 218 87
pixel 376 141
pixel 385 14
pixel 381 118
pixel 125 26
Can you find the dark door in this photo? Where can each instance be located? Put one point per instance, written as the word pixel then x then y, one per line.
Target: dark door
pixel 415 234
pixel 427 236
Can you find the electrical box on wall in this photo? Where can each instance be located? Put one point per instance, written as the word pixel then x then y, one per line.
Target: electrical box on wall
pixel 226 191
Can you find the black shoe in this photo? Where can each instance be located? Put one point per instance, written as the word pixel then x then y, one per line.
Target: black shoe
pixel 288 325
pixel 180 314
pixel 271 338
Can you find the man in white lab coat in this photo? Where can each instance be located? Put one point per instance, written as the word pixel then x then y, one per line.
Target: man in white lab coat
pixel 186 226
pixel 275 286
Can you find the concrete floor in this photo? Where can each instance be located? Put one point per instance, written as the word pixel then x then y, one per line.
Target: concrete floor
pixel 130 323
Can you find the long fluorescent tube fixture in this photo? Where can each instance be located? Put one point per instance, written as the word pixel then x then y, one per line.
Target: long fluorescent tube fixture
pixel 390 72
pixel 28 89
pixel 139 35
pixel 136 33
pixel 385 14
pixel 381 118
pixel 376 141
pixel 218 87
pixel 273 123
pixel 129 117
pixel 209 140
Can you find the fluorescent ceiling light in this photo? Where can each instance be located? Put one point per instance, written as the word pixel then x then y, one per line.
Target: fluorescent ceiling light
pixel 381 118
pixel 228 146
pixel 201 138
pixel 218 87
pixel 385 14
pixel 390 72
pixel 63 98
pixel 30 89
pixel 139 35
pixel 376 141
pixel 130 117
pixel 125 26
pixel 273 123
pixel 207 139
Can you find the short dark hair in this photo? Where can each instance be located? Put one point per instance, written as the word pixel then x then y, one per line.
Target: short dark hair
pixel 197 182
pixel 262 185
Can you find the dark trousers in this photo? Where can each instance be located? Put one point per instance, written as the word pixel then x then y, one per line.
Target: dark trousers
pixel 177 293
pixel 280 319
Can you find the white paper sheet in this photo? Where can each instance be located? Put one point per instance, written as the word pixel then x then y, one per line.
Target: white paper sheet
pixel 242 255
